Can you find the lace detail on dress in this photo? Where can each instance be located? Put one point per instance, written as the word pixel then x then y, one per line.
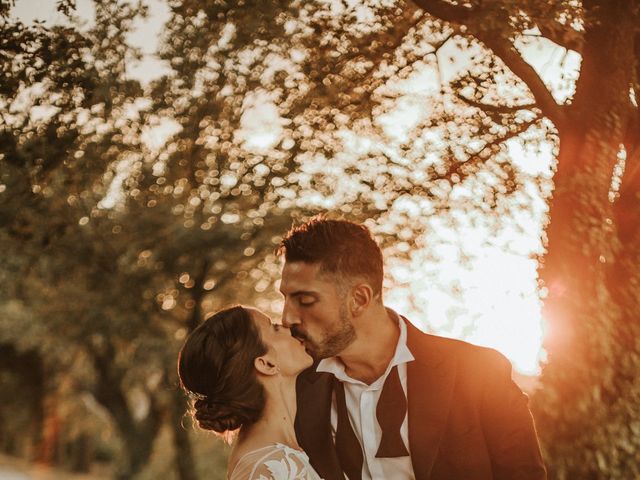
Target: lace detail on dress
pixel 275 462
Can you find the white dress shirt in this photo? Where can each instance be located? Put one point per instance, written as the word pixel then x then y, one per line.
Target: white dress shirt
pixel 361 400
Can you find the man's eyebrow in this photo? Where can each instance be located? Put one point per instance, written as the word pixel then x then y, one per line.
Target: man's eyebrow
pixel 298 293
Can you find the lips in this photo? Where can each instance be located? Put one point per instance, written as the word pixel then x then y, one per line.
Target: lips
pixel 297 334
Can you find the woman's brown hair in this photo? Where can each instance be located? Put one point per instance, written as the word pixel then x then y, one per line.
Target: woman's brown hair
pixel 216 368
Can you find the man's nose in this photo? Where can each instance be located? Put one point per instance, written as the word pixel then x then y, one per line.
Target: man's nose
pixel 289 315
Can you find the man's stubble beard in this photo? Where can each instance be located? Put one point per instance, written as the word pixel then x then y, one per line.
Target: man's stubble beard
pixel 335 342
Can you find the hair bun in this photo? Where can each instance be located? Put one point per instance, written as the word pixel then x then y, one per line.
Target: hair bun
pixel 219 417
pixel 216 369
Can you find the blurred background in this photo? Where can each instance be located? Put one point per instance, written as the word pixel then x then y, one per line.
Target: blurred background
pixel 152 155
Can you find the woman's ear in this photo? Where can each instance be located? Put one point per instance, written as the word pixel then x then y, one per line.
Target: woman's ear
pixel 265 366
pixel 361 296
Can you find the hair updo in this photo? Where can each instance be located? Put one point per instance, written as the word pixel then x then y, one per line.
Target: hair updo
pixel 215 366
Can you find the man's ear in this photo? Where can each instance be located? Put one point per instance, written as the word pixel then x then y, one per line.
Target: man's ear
pixel 361 297
pixel 265 366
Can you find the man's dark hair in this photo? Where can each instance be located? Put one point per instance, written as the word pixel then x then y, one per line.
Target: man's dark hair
pixel 339 246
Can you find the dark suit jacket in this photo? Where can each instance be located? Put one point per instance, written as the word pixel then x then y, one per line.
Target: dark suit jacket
pixel 467 419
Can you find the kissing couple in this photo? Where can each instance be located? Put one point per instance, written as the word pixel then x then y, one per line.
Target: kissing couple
pixel 345 387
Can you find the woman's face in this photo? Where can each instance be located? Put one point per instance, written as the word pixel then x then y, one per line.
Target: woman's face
pixel 286 351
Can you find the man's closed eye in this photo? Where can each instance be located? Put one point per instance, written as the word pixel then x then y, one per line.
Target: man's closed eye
pixel 306 300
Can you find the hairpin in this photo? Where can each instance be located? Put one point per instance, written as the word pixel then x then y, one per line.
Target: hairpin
pixel 196 396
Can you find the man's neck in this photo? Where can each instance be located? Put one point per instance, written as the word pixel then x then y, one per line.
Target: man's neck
pixel 367 358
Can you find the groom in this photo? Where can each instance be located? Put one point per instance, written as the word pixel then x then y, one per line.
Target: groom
pixel 384 400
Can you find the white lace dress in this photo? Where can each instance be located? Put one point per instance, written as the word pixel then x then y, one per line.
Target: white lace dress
pixel 274 462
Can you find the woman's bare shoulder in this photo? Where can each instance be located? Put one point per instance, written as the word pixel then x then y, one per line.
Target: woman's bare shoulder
pixel 272 462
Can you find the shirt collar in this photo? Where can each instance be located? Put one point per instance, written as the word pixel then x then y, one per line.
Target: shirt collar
pixel 401 355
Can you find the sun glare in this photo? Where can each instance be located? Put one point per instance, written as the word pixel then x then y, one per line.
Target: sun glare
pixel 507 308
pixel 493 303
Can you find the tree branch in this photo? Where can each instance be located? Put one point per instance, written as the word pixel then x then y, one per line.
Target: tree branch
pixel 562 35
pixel 485 152
pixel 371 89
pixel 489 107
pixel 376 49
pixel 503 48
pixel 446 11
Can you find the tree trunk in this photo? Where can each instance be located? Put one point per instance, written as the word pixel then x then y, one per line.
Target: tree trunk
pixel 588 411
pixel 49 448
pixel 25 373
pixel 580 310
pixel 588 408
pixel 137 436
pixel 80 452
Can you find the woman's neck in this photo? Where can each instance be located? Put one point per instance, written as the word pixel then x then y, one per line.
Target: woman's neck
pixel 276 424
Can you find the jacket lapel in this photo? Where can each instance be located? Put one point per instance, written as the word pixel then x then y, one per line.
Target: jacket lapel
pixel 430 382
pixel 313 422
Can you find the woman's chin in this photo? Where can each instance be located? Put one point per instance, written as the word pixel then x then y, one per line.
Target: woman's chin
pixel 308 362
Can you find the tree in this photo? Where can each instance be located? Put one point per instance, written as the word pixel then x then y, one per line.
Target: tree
pixel 63 87
pixel 590 269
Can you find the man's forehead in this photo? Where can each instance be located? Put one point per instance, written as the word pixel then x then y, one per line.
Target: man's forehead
pixel 300 268
pixel 297 271
pixel 296 275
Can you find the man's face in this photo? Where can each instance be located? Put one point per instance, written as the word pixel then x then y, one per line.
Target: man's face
pixel 315 310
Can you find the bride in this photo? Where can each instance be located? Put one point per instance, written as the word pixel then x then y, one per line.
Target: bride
pixel 240 369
